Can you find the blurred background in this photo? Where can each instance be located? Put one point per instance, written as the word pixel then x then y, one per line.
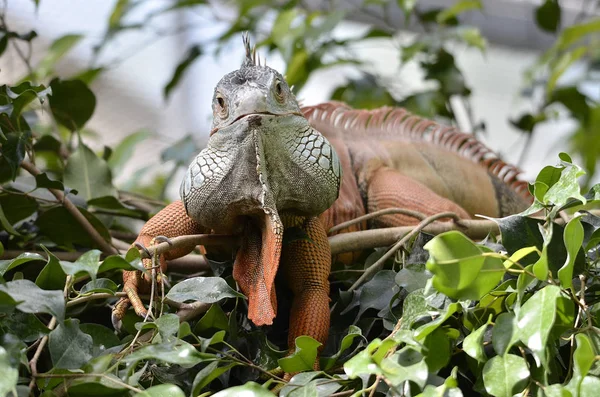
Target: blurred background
pixel 522 75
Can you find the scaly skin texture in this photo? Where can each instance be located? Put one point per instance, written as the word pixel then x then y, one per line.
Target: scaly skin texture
pixel 271 167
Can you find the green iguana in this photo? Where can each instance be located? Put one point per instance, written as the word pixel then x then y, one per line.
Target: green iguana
pixel 270 165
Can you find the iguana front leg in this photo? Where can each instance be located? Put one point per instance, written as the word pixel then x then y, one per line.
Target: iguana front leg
pixel 171 221
pixel 306 263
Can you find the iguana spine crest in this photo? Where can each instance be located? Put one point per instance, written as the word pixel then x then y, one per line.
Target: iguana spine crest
pixel 396 123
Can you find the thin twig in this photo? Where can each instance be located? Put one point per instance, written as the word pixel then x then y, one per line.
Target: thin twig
pixel 375 267
pixel 368 239
pixel 74 211
pixel 371 215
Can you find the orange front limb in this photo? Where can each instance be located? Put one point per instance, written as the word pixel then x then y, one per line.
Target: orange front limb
pixel 171 221
pixel 306 263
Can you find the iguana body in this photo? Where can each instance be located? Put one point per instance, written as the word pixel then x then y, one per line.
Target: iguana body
pixel 266 170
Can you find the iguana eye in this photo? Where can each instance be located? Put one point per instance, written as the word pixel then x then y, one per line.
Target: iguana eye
pixel 278 88
pixel 221 105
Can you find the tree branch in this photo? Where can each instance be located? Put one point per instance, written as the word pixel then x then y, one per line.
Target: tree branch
pixel 74 211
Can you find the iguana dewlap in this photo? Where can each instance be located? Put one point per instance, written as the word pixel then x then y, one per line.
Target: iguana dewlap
pixel 270 166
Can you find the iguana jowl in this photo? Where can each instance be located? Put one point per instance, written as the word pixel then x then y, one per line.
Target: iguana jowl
pixel 267 168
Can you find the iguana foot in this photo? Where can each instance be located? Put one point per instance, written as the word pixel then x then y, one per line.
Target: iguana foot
pixel 136 282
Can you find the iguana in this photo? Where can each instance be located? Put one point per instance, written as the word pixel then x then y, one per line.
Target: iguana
pixel 271 165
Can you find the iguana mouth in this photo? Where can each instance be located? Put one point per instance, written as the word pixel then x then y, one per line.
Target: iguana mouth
pixel 246 115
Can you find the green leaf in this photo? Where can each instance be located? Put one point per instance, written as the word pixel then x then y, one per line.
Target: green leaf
pixel 362 363
pixel 411 278
pixel 440 318
pixel 104 285
pixel 72 114
pixel 577 32
pixel 193 52
pixel 505 375
pixel 504 333
pixel 59 225
pixel 102 338
pixel 461 269
pixel 17 207
pixel 33 299
pixel 535 319
pixel 118 262
pixel 59 48
pixel 87 263
pixel 124 149
pixel 209 373
pixel 250 389
pixel 10 374
pixel 6 224
pixel 89 174
pixel 472 36
pixel 458 8
pixel 583 359
pixel 8 264
pixel 13 151
pixel 303 359
pixel 376 294
pixel 213 319
pixel 182 354
pixel 407 364
pixel 202 289
pixel 407 6
pixel 347 340
pixel 547 16
pixel 69 347
pixel 52 275
pixel 42 181
pixel 438 350
pixel 573 237
pixel 473 344
pixel 26 325
pixel 165 390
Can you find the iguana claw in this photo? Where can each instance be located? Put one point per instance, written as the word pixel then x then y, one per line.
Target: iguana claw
pixel 141 247
pixel 163 239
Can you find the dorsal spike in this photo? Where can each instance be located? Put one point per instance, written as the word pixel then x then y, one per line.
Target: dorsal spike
pixel 250 52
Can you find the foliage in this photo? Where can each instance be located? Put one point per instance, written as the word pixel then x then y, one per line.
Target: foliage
pixel 519 318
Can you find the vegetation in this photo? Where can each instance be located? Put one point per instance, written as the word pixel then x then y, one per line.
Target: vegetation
pixel 514 314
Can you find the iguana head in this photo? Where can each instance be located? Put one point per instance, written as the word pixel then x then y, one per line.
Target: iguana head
pixel 262 158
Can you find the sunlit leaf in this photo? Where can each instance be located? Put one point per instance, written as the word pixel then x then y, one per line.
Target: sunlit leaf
pixel 536 318
pixel 249 389
pixel 573 238
pixel 505 375
pixel 10 374
pixel 303 359
pixel 161 391
pixel 461 269
pixel 202 289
